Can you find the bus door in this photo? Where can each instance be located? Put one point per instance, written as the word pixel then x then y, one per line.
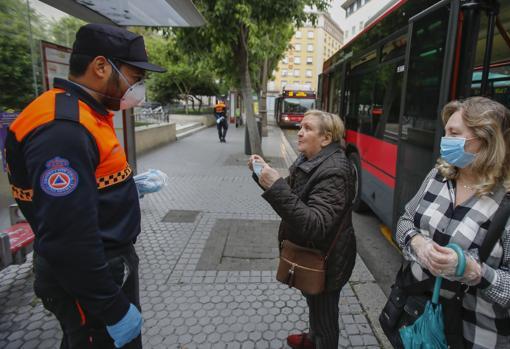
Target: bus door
pixel 425 89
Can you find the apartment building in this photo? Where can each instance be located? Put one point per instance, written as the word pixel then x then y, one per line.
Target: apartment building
pixel 359 13
pixel 310 47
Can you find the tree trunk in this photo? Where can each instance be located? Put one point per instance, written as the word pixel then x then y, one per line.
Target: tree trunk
pixel 263 98
pixel 192 102
pixel 246 90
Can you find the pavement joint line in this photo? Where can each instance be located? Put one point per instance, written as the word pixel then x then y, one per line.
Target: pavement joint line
pixel 196 223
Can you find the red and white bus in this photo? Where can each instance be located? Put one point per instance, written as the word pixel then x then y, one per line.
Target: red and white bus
pixel 390 82
pixel 292 104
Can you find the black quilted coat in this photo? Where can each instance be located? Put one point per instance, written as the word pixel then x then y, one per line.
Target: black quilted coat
pixel 312 202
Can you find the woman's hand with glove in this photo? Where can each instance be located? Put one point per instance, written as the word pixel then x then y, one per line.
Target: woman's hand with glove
pixel 473 273
pixel 440 261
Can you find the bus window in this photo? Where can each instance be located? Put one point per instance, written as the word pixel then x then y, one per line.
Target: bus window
pixel 298 105
pixel 394 49
pixel 388 88
pixel 360 103
pixel 424 78
pixel 499 74
pixel 335 91
pixel 374 102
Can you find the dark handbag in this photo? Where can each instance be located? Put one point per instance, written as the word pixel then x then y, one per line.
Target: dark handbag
pixel 407 298
pixel 305 268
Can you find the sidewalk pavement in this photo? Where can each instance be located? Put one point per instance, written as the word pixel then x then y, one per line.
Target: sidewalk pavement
pixel 208 253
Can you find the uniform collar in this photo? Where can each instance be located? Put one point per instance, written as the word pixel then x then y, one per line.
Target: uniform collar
pixel 82 95
pixel 308 165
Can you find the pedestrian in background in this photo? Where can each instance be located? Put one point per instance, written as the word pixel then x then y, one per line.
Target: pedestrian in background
pixel 313 202
pixel 221 120
pixel 71 179
pixel 456 204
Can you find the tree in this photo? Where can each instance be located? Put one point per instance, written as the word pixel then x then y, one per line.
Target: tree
pixel 16 75
pixel 185 78
pixel 64 30
pixel 273 45
pixel 231 35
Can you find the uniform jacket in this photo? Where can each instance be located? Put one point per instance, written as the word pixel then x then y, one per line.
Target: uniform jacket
pixel 70 177
pixel 312 202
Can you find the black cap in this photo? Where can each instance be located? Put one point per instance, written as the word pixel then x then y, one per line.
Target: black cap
pixel 114 43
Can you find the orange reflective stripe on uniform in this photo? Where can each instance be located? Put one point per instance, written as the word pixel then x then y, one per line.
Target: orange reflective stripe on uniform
pixel 106 181
pixel 113 167
pixel 22 194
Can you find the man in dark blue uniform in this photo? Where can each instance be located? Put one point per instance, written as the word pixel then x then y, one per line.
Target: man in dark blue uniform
pixel 70 177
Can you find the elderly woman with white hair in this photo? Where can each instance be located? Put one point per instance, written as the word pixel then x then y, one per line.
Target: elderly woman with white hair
pixel 314 203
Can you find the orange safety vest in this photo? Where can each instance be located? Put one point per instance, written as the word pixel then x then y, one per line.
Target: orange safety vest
pixel 113 167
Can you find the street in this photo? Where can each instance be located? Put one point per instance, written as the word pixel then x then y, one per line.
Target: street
pixel 381 257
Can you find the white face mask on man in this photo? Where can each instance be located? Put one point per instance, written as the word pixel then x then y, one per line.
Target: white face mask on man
pixel 134 95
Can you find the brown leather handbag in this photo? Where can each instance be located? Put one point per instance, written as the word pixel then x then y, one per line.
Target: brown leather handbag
pixel 305 268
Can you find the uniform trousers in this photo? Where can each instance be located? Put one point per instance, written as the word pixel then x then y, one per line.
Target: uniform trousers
pixel 81 329
pixel 323 317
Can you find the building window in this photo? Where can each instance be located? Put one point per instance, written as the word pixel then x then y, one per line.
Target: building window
pixel 298 34
pixel 285 72
pixel 308 73
pixel 297 60
pixel 361 26
pixel 285 60
pixel 309 60
pixel 284 82
pixel 296 72
pixel 309 47
pixel 353 30
pixel 310 34
pixel 297 47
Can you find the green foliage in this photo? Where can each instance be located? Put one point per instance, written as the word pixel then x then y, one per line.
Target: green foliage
pixel 16 78
pixel 64 30
pixel 185 75
pixel 268 24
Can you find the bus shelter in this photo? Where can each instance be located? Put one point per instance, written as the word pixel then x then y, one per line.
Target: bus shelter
pixel 154 13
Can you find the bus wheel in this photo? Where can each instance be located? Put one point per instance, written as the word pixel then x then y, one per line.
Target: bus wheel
pixel 357 204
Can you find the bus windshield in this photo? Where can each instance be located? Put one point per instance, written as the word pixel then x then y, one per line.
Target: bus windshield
pixel 298 105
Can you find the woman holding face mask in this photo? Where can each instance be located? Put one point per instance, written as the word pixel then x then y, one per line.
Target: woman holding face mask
pixel 313 202
pixel 456 204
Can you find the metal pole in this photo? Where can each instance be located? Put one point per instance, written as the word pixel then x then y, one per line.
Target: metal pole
pixel 484 90
pixel 36 90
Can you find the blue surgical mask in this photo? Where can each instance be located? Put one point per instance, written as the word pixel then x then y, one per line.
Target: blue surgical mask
pixel 452 151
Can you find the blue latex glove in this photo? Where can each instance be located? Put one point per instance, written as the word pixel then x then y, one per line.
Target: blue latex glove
pixel 127 329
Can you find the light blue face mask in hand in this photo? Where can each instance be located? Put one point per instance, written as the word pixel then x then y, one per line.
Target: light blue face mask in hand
pixel 452 151
pixel 257 167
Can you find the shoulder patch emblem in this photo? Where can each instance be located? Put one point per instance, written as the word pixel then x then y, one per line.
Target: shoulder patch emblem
pixel 59 179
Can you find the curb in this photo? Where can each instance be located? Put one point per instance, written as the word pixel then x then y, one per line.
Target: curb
pixel 190 131
pixel 369 293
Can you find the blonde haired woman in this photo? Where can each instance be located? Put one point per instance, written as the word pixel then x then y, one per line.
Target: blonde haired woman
pixel 456 203
pixel 313 202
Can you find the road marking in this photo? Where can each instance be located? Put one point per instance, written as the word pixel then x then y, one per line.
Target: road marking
pixel 386 232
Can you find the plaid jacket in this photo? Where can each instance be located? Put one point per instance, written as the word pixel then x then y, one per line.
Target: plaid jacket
pixel 431 212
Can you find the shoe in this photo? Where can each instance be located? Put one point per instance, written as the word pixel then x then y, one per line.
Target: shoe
pixel 300 341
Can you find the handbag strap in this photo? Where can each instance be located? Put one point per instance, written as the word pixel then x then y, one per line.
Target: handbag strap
pixel 342 226
pixel 496 228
